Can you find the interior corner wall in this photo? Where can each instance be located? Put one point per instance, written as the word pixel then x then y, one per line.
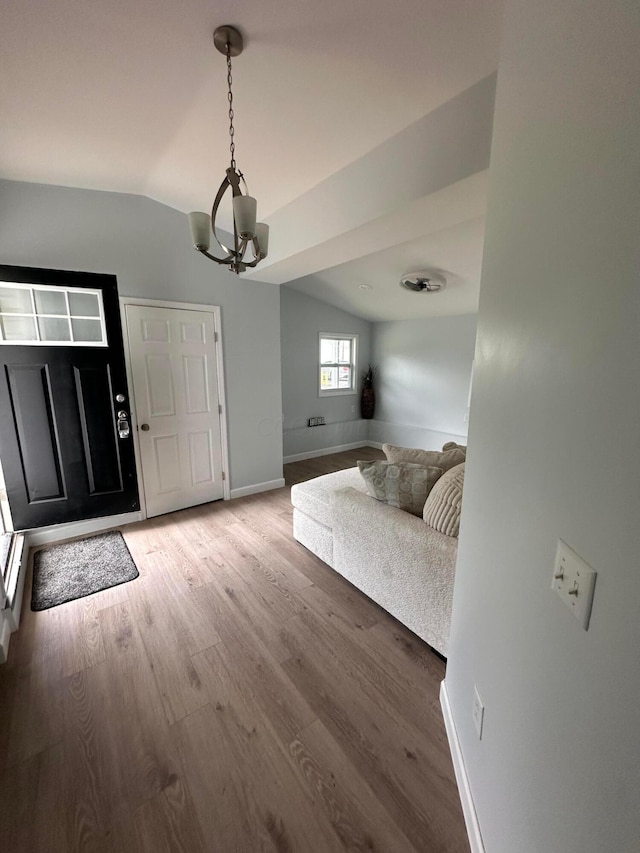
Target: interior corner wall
pixel 553 442
pixel 148 247
pixel 302 319
pixel 424 373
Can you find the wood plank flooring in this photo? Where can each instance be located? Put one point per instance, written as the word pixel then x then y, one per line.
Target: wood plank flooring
pixel 239 696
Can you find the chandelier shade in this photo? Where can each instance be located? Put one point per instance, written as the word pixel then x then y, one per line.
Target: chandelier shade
pixel 244 216
pixel 246 231
pixel 200 224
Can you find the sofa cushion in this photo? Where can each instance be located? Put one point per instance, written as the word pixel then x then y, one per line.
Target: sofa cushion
pixel 314 496
pixel 404 485
pixel 443 505
pixel 426 458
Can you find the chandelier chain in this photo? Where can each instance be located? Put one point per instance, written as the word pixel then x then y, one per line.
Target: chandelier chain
pixel 232 144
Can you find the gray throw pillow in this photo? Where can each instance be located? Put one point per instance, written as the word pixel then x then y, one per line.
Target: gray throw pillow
pixel 426 458
pixel 403 485
pixel 451 445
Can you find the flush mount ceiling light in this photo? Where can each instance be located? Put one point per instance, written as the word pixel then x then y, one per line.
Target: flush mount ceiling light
pixel 423 282
pixel 246 231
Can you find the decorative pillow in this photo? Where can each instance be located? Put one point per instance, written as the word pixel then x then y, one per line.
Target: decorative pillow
pixel 403 485
pixel 451 445
pixel 426 458
pixel 442 508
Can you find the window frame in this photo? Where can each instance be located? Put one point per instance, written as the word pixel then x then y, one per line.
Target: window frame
pixel 35 314
pixel 339 336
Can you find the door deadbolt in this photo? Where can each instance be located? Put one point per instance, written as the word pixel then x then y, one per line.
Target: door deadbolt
pixel 120 398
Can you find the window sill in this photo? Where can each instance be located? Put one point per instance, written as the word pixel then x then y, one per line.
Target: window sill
pixel 350 392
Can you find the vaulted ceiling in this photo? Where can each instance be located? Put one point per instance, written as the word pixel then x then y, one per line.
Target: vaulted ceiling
pixel 131 97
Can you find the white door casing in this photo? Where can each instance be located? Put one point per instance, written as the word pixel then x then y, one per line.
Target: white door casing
pixel 175 390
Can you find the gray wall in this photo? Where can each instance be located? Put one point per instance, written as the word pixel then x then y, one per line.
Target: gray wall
pixel 302 318
pixel 553 443
pixel 147 245
pixel 422 390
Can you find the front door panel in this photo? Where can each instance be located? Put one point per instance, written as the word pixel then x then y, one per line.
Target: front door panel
pixel 63 457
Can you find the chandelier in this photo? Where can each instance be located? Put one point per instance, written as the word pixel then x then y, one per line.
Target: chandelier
pixel 246 231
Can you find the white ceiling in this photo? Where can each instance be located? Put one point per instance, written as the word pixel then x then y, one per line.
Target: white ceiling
pixel 131 96
pixel 458 248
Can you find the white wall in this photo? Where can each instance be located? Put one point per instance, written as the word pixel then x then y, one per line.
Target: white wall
pixel 302 319
pixel 422 389
pixel 147 245
pixel 553 444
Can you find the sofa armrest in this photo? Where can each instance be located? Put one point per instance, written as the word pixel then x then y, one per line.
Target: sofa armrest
pixel 397 560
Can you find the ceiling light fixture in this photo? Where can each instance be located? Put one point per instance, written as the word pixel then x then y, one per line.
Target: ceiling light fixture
pixel 246 231
pixel 423 282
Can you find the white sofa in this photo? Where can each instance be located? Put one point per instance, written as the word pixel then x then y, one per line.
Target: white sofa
pixel 394 557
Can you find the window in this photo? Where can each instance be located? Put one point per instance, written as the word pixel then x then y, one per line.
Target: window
pixel 338 364
pixel 44 315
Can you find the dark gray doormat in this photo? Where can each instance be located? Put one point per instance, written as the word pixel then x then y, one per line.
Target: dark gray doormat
pixel 75 569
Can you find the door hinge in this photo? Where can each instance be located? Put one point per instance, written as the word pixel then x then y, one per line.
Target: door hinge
pixel 224 476
pixel 215 337
pixel 219 409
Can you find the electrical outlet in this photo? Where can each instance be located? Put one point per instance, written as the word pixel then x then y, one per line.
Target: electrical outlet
pixel 477 712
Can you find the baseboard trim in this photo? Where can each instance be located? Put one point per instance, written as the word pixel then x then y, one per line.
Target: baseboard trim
pixel 464 789
pixel 56 532
pixel 256 488
pixel 376 444
pixel 325 451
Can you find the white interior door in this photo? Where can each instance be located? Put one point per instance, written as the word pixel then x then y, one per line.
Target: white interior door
pixel 175 388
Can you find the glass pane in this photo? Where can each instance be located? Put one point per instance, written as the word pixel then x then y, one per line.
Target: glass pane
pixel 15 300
pixel 54 329
pixel 328 351
pixel 50 302
pixel 328 378
pixel 344 377
pixel 86 330
pixel 344 352
pixel 18 328
pixel 84 305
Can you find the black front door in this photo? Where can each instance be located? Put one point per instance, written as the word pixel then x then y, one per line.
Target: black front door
pixel 66 452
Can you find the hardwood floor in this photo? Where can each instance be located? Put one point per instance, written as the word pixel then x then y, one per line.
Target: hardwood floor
pixel 239 696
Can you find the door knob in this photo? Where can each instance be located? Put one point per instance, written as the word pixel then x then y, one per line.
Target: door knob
pixel 144 427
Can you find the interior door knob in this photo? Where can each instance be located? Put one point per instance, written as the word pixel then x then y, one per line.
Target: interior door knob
pixel 144 427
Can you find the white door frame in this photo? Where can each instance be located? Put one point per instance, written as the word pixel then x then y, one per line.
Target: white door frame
pixel 217 325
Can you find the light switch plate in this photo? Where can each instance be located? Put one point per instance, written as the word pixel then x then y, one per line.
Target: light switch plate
pixel 574 581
